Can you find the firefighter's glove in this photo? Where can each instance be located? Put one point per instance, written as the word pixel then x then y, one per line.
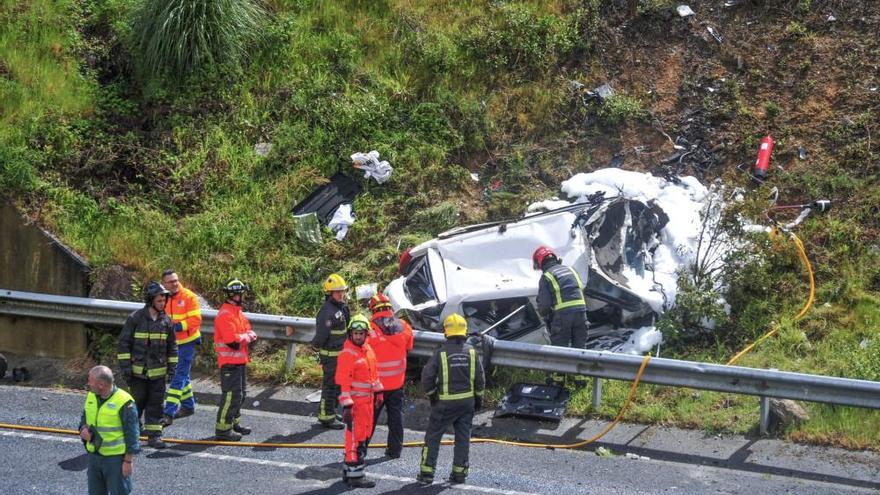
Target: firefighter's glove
pixel 379 399
pixel 348 417
pixel 178 327
pixel 478 402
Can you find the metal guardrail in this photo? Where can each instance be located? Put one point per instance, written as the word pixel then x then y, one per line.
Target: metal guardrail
pixel 598 364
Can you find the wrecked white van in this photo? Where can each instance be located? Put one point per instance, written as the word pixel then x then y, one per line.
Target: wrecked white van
pixel 485 273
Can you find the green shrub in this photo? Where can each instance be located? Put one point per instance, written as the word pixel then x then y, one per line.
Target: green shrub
pixel 435 219
pixel 696 316
pixel 177 37
pixel 515 39
pixel 619 108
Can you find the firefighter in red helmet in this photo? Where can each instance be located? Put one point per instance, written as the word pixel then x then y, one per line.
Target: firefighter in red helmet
pixel 390 338
pixel 561 303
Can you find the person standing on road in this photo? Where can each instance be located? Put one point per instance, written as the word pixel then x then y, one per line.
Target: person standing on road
pixel 454 381
pixel 109 429
pixel 330 330
pixel 232 336
pixel 390 338
pixel 359 386
pixel 147 353
pixel 186 318
pixel 561 303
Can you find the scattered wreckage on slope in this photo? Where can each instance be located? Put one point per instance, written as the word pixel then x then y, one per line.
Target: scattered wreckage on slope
pixel 484 272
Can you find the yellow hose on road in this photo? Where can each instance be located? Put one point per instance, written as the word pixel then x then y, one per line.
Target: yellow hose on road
pixel 802 254
pixel 181 441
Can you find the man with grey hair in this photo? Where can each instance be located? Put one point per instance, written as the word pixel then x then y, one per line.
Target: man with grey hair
pixel 109 429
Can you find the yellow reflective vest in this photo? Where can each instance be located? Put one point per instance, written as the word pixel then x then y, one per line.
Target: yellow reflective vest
pixel 106 422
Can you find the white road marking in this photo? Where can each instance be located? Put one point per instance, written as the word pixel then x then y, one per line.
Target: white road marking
pixel 264 462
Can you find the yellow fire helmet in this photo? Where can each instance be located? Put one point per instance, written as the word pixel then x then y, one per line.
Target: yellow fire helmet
pixel 454 326
pixel 358 322
pixel 333 283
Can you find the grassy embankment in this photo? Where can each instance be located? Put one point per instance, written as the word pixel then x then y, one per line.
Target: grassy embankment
pixel 150 173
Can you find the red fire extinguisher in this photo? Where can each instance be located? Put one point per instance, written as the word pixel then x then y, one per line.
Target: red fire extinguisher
pixel 762 164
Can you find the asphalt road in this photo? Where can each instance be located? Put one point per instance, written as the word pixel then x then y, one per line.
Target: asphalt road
pixel 668 460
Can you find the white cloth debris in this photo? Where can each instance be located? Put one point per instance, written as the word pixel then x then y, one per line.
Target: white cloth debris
pixel 684 11
pixel 342 219
pixel 263 149
pixel 372 167
pixel 366 291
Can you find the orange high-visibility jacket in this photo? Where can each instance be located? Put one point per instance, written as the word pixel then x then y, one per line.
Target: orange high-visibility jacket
pixel 229 327
pixel 183 308
pixel 390 348
pixel 356 374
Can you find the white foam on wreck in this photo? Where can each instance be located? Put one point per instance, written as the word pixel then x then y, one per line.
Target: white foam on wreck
pixel 682 202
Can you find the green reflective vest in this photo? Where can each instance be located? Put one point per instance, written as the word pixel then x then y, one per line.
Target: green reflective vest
pixel 107 422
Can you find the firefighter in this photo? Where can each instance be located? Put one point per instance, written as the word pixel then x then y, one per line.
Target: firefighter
pixel 561 303
pixel 390 338
pixel 232 336
pixel 109 429
pixel 453 379
pixel 359 385
pixel 147 353
pixel 330 329
pixel 186 317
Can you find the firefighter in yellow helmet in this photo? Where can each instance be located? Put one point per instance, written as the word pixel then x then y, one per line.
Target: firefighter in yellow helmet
pixel 453 379
pixel 330 331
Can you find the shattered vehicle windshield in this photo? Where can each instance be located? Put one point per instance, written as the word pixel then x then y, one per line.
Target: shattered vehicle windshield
pixel 418 287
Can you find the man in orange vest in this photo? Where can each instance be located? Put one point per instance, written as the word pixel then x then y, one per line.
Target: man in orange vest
pixel 390 338
pixel 186 317
pixel 359 382
pixel 232 335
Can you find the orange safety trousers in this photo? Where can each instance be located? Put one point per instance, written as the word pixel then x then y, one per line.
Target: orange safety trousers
pixel 358 432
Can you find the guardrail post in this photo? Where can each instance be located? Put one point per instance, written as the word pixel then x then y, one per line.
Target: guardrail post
pixel 765 415
pixel 597 392
pixel 291 356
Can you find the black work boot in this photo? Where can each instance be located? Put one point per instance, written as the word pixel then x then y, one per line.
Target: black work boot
pixel 244 430
pixel 156 442
pixel 392 454
pixel 227 436
pixel 457 477
pixel 360 482
pixel 166 421
pixel 425 479
pixel 333 424
pixel 183 412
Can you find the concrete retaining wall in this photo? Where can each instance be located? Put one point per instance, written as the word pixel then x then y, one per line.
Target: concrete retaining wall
pixel 33 260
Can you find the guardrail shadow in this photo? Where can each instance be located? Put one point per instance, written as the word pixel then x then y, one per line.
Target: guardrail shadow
pixel 530 431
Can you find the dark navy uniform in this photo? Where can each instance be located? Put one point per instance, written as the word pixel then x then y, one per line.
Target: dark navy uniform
pixel 561 303
pixel 453 378
pixel 330 325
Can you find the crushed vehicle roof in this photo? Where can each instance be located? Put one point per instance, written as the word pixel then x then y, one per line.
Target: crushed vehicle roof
pixel 618 236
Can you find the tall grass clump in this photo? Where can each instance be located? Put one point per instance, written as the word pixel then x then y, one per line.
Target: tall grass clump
pixel 179 37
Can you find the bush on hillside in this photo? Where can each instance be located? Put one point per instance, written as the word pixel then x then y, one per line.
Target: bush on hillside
pixel 178 37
